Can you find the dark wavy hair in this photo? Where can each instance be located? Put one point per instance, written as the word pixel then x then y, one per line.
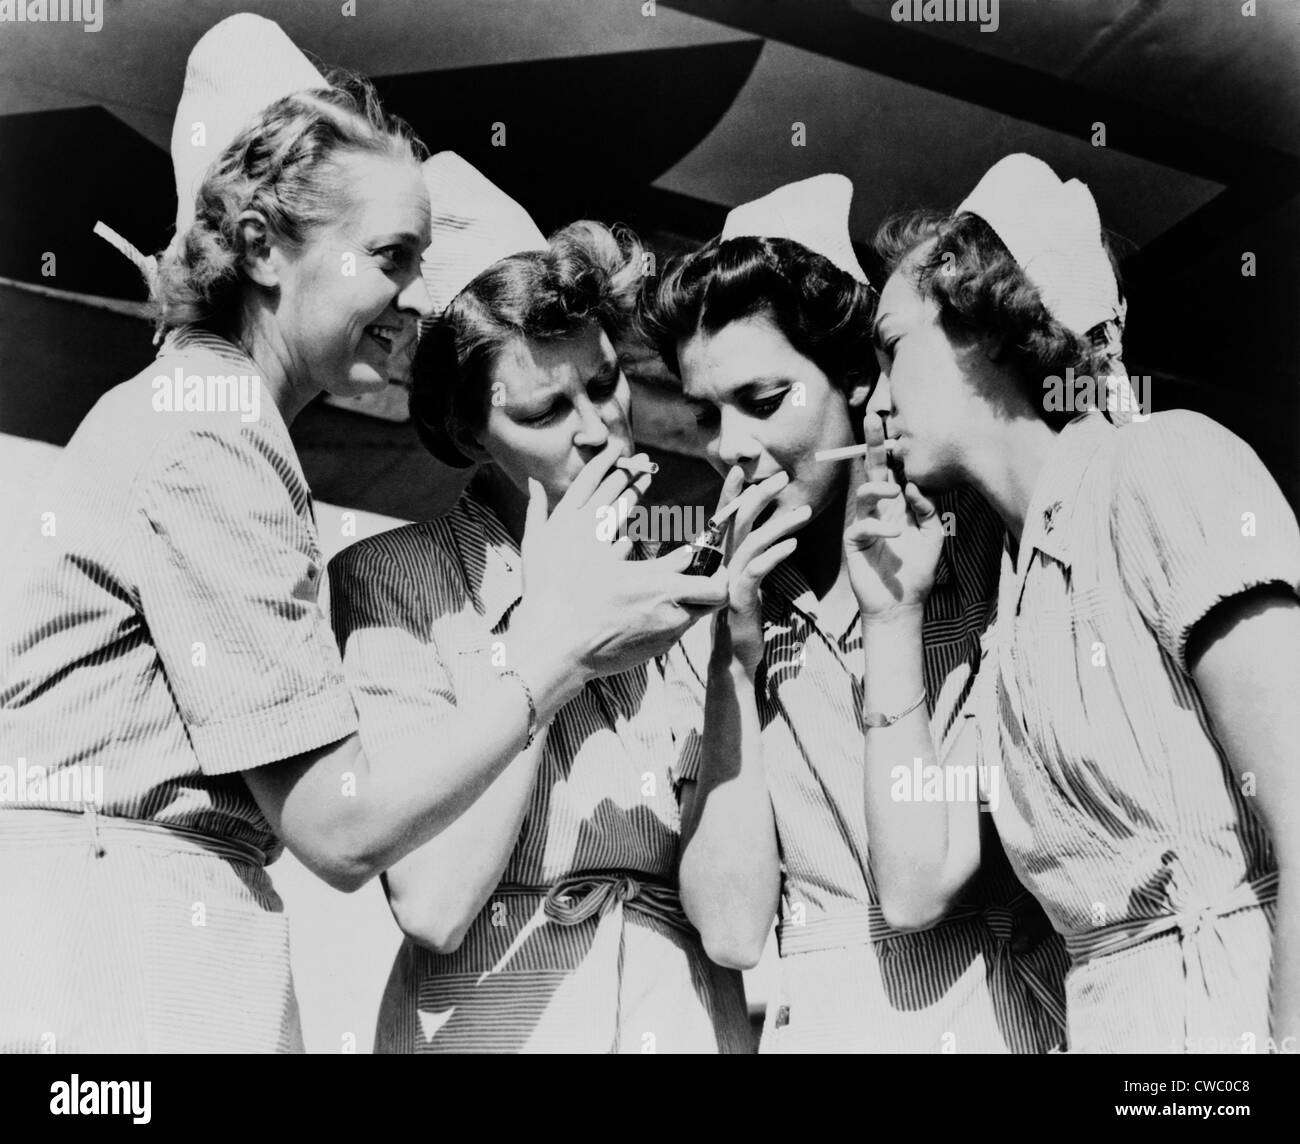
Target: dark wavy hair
pixel 285 164
pixel 981 291
pixel 824 313
pixel 590 273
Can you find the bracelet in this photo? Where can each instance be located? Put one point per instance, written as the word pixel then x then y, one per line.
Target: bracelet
pixel 510 673
pixel 880 719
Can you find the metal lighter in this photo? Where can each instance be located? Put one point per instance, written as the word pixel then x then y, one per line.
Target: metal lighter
pixel 707 548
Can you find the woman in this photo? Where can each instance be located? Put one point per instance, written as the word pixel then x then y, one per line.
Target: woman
pixel 166 636
pixel 769 327
pixel 1147 651
pixel 546 918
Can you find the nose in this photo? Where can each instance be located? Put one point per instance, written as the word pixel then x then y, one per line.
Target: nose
pixel 592 432
pixel 415 296
pixel 881 401
pixel 735 443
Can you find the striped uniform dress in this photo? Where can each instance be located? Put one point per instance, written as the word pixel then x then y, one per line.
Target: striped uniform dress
pixel 162 635
pixel 583 946
pixel 985 979
pixel 1125 817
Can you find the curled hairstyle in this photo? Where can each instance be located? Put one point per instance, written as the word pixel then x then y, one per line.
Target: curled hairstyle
pixel 981 291
pixel 284 165
pixel 824 313
pixel 588 274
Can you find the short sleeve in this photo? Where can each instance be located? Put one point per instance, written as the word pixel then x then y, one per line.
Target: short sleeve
pixel 685 675
pixel 386 629
pixel 229 576
pixel 1195 519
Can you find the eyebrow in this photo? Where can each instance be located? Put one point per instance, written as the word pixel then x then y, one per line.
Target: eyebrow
pixel 401 238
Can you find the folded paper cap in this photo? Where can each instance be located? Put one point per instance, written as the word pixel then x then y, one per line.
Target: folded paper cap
pixel 1053 231
pixel 813 212
pixel 237 69
pixel 474 224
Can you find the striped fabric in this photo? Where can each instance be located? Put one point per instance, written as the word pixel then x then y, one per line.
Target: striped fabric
pixel 162 634
pixel 986 979
pixel 125 936
pixel 416 610
pixel 1124 817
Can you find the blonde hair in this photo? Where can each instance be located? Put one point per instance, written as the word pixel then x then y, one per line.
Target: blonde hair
pixel 284 165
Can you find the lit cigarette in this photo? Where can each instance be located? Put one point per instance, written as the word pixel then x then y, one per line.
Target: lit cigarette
pixel 638 465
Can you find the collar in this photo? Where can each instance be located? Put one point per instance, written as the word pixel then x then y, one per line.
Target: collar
pixel 1048 522
pixel 489 558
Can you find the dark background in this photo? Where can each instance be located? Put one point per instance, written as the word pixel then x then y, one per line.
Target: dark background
pixel 666 121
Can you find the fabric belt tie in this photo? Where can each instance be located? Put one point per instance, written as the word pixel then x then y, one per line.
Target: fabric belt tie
pixel 866 925
pixel 33 825
pixel 605 896
pixel 1199 937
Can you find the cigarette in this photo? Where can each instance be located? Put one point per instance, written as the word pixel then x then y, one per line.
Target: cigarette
pixel 849 451
pixel 724 514
pixel 638 465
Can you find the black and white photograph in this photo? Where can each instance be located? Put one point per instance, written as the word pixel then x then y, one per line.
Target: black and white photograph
pixel 650 527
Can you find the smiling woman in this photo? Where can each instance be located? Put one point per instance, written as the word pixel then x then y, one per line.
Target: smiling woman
pixel 169 629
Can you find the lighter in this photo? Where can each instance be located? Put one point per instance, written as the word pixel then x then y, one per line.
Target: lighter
pixel 706 549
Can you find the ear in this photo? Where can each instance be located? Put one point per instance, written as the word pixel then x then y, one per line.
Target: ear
pixel 466 441
pixel 859 395
pixel 259 261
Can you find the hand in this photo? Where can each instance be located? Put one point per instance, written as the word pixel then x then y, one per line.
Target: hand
pixel 751 555
pixel 588 611
pixel 893 543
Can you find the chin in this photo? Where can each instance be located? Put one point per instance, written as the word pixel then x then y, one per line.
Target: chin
pixel 360 379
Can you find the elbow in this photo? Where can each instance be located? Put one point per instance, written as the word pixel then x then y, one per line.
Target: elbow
pixel 439 931
pixel 911 912
pixel 729 953
pixel 346 876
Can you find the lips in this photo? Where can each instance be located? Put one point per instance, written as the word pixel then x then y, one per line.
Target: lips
pixel 386 336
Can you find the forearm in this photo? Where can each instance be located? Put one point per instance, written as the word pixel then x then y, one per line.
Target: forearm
pixel 915 834
pixel 437 891
pixel 348 817
pixel 730 870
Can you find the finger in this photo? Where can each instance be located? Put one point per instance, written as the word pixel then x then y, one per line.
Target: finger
pixel 864 533
pixel 621 548
pixel 922 507
pixel 873 493
pixel 615 481
pixel 752 502
pixel 731 486
pixel 593 473
pixel 763 538
pixel 707 592
pixel 877 463
pixel 675 561
pixel 535 515
pixel 762 564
